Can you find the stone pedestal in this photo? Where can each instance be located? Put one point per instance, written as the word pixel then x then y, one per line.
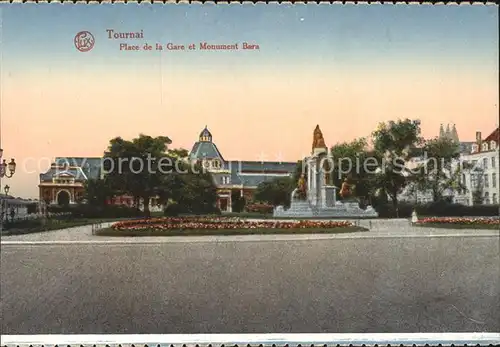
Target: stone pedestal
pixel 328 196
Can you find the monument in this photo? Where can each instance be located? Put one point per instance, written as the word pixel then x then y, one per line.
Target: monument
pixel 315 195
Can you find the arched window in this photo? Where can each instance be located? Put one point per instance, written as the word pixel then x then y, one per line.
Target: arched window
pixel 493 145
pixel 484 147
pixel 495 198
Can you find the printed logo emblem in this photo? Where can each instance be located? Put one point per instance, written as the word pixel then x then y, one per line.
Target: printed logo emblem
pixel 84 41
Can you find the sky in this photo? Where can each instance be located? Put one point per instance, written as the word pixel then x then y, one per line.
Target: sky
pixel 344 67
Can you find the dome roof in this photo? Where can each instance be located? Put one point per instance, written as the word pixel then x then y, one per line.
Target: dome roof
pixel 205 132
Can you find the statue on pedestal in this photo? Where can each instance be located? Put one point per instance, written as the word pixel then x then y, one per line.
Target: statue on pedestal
pixel 301 187
pixel 327 172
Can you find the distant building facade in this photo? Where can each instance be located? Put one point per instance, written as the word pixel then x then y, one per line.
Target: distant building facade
pixel 63 183
pixel 483 154
pixel 485 180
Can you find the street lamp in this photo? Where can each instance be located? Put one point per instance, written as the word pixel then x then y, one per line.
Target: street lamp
pixel 6 189
pixel 7 170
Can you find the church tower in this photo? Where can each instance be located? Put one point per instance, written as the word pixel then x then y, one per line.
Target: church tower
pixel 441 131
pixel 454 134
pixel 448 132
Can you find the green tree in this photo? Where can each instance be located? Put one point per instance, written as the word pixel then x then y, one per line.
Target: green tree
pixel 191 187
pixel 438 172
pixel 179 153
pixel 393 144
pixel 237 201
pixel 353 160
pixel 275 192
pixel 133 167
pixel 97 192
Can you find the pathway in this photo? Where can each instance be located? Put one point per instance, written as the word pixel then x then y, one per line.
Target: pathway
pixel 396 228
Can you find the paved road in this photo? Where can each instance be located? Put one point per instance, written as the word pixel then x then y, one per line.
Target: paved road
pixel 377 284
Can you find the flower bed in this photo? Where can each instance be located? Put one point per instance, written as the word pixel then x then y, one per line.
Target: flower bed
pixel 170 226
pixel 478 223
pixel 172 223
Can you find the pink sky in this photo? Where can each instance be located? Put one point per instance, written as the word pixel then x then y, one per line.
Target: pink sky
pixel 269 112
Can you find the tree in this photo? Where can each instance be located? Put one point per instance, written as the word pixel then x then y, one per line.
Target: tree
pixel 276 192
pixel 438 173
pixel 237 201
pixel 393 143
pixel 180 153
pixel 98 192
pixel 133 167
pixel 353 161
pixel 191 188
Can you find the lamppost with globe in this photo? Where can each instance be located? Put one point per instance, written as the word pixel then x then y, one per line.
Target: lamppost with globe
pixel 3 212
pixel 6 170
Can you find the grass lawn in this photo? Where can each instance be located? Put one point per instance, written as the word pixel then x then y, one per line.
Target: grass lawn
pixel 459 226
pixel 202 232
pixel 35 226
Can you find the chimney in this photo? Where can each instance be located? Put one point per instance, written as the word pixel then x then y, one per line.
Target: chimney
pixel 478 141
pixel 478 137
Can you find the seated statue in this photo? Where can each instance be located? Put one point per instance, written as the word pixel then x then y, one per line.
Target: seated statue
pixel 346 190
pixel 301 187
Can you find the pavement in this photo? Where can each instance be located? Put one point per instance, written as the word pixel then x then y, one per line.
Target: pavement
pixel 393 278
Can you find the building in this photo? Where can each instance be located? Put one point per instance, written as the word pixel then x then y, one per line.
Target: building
pixel 451 133
pixel 466 149
pixel 64 182
pixel 12 207
pixel 234 176
pixel 483 182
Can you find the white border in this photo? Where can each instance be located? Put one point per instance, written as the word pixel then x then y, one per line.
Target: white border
pixel 256 339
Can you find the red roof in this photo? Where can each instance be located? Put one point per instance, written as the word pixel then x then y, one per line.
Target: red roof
pixel 494 136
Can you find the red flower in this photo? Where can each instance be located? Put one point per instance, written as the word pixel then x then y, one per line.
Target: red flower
pixel 460 220
pixel 220 223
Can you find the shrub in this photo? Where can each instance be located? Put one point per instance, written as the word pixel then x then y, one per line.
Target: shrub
pixel 173 209
pixel 109 211
pixel 445 209
pixel 32 208
pixel 388 211
pixel 437 209
pixel 60 209
pixel 259 208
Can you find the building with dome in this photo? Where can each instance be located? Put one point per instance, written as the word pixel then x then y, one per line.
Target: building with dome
pixel 63 183
pixel 235 176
